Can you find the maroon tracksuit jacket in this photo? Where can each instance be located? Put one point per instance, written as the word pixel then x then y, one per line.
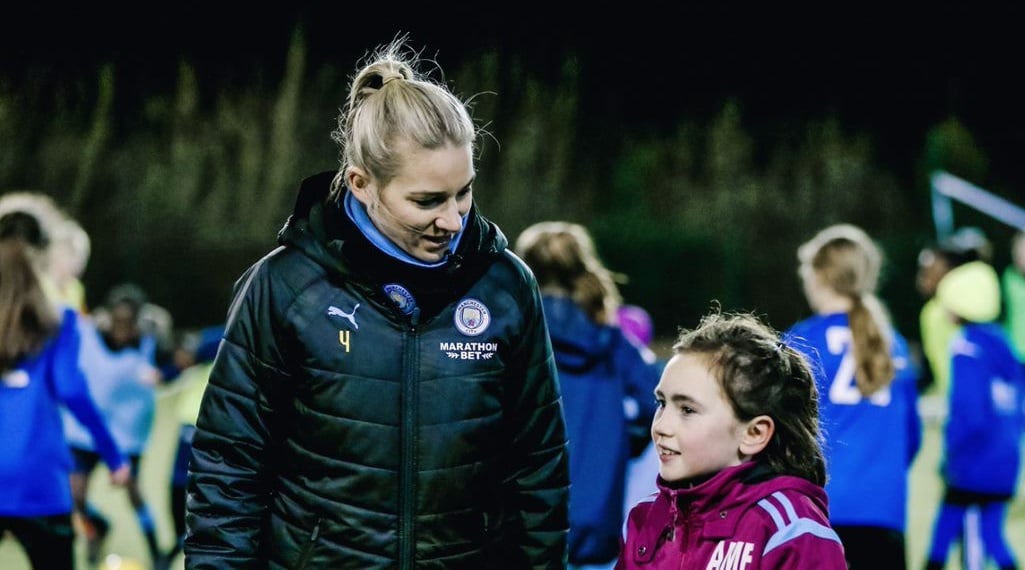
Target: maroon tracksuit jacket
pixel 743 518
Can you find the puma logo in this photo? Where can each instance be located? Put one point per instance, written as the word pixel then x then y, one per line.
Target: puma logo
pixel 351 316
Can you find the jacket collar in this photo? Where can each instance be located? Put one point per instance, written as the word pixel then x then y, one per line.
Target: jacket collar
pixel 721 500
pixel 319 227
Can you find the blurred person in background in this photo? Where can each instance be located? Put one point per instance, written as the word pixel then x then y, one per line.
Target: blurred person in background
pixel 68 257
pixel 50 219
pixel 1012 283
pixel 385 395
pixel 982 436
pixel 39 372
pixel 642 469
pixel 191 384
pixel 118 361
pixel 64 259
pixel 935 329
pixel 600 372
pixel 868 395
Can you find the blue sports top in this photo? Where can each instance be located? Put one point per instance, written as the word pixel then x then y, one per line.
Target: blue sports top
pixel 984 427
pixel 870 442
pixel 118 384
pixel 34 458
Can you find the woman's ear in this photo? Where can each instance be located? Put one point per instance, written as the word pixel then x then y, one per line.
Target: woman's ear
pixel 757 433
pixel 358 182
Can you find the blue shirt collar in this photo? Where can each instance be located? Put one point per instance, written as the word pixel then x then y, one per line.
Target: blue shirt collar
pixel 358 214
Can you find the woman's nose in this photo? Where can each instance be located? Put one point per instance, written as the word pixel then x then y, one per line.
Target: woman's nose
pixel 450 219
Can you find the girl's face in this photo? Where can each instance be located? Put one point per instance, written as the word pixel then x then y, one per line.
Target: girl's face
pixel 421 209
pixel 124 326
pixel 1018 252
pixel 810 285
pixel 931 268
pixel 694 429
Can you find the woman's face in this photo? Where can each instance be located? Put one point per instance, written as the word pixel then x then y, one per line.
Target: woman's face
pixel 421 209
pixel 694 429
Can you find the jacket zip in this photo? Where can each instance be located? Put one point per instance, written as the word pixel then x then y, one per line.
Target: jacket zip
pixel 307 552
pixel 410 391
pixel 674 511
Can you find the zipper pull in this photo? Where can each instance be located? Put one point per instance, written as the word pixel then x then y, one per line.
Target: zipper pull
pixel 674 510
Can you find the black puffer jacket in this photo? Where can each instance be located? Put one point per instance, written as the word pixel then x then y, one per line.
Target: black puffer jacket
pixel 338 432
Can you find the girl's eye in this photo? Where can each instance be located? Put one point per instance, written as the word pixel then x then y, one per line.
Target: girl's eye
pixel 687 410
pixel 660 403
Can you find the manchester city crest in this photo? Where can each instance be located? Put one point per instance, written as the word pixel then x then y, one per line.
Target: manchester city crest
pixel 401 296
pixel 472 317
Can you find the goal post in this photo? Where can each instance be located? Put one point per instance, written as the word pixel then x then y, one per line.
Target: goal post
pixel 946 188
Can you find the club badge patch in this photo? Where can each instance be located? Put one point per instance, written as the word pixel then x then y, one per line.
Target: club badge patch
pixel 16 378
pixel 401 296
pixel 472 317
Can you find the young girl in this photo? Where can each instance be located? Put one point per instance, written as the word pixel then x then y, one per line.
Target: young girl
pixel 869 394
pixel 38 373
pixel 600 370
pixel 741 475
pixel 118 360
pixel 983 431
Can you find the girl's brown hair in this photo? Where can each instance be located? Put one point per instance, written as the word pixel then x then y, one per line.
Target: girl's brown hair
pixel 760 375
pixel 27 318
pixel 564 260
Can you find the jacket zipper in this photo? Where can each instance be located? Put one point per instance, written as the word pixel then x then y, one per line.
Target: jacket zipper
pixel 409 443
pixel 307 552
pixel 674 510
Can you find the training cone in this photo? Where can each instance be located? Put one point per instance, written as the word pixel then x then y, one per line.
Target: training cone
pixel 115 562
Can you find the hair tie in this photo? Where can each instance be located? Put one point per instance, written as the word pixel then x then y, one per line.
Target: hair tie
pixel 390 78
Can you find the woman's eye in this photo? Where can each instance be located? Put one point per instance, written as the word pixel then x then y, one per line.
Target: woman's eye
pixel 686 410
pixel 660 403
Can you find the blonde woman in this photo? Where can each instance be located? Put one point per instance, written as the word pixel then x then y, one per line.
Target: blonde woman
pixel 385 394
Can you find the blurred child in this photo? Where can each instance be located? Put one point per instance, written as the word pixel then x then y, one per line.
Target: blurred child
pixel 38 373
pixel 869 395
pixel 741 475
pixel 118 362
pixel 935 329
pixel 69 254
pixel 982 435
pixel 642 469
pixel 63 260
pixel 192 384
pixel 600 372
pixel 1013 286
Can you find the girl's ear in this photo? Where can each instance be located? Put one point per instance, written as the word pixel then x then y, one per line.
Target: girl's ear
pixel 757 434
pixel 358 182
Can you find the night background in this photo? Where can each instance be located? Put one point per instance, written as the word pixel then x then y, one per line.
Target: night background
pixel 700 145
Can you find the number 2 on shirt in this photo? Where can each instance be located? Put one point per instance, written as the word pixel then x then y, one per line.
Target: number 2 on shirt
pixel 844 389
